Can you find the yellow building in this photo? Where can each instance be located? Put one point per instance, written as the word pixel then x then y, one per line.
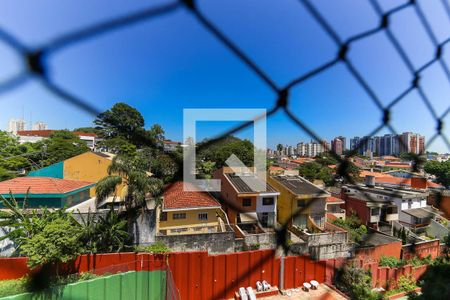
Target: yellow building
pixel 88 166
pixel 184 212
pixel 299 201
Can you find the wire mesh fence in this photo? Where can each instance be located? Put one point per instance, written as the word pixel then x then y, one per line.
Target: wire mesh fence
pixel 37 61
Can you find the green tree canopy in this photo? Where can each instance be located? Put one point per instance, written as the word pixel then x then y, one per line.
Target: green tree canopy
pixel 313 170
pixel 439 169
pixel 219 152
pixel 14 157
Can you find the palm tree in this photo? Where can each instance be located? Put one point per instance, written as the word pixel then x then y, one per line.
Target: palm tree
pixel 129 171
pixel 132 173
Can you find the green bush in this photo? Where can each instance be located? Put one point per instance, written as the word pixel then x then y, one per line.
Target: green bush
pixel 393 262
pixel 58 242
pixel 389 261
pixel 353 226
pixel 255 246
pixel 405 284
pixel 156 248
pixel 356 283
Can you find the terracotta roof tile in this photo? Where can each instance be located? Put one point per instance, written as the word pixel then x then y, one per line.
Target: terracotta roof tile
pixel 41 185
pixel 176 198
pixel 332 199
pixel 403 181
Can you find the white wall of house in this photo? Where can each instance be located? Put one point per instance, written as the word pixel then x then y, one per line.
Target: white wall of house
pixel 260 208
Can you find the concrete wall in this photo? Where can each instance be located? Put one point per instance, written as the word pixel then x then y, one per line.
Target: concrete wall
pixel 437 230
pixel 219 242
pixel 6 246
pixel 265 240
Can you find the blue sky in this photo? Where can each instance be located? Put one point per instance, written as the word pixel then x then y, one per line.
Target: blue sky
pixel 164 65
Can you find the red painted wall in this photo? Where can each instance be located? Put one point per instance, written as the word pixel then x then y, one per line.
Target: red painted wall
pixel 374 253
pixel 198 275
pixel 422 250
pixel 359 207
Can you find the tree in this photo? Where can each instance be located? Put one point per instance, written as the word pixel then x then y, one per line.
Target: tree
pixel 314 170
pixel 325 159
pixel 60 146
pixel 435 282
pixel 439 169
pixel 220 151
pixel 121 120
pixel 207 168
pixel 57 242
pixel 356 283
pixel 105 235
pixel 132 172
pixel 14 157
pixel 88 130
pixel 280 147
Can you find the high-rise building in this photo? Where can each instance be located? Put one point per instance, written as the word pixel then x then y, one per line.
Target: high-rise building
pixel 354 142
pixel 337 146
pixel 390 144
pixel 344 142
pixel 39 126
pixel 301 149
pixel 15 125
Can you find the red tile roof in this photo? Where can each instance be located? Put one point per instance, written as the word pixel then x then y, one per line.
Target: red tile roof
pixel 176 198
pixel 364 173
pixel 48 132
pixel 41 185
pixel 331 199
pixel 403 181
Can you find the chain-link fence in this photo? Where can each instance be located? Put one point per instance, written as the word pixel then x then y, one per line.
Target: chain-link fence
pixel 37 60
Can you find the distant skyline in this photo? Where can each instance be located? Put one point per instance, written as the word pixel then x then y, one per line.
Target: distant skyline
pixel 170 63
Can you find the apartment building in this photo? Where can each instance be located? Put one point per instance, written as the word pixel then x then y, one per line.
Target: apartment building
pixel 377 205
pixel 242 203
pixel 300 201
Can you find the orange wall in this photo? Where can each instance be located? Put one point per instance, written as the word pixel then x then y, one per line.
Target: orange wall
pixel 221 275
pixel 374 253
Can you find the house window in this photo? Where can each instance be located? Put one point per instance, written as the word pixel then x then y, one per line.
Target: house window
pixel 178 230
pixel 392 210
pixel 301 203
pixel 267 201
pixel 375 211
pixel 179 216
pixel 247 202
pixel 203 216
pixel 163 216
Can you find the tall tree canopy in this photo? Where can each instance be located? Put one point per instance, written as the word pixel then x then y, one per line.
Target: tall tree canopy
pixel 439 169
pixel 219 152
pixel 121 120
pixel 123 125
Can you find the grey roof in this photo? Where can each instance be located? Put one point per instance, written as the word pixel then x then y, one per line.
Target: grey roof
pixel 373 239
pixel 242 187
pixel 419 213
pixel 298 185
pixel 363 192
